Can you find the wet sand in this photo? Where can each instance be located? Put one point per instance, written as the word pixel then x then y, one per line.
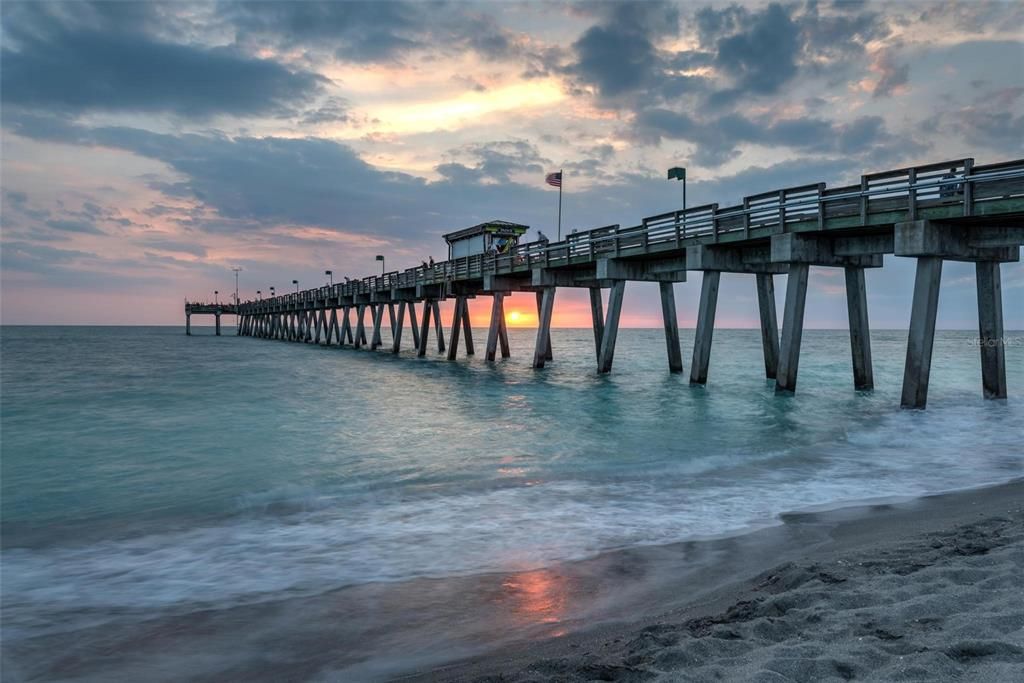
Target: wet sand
pixel 928 590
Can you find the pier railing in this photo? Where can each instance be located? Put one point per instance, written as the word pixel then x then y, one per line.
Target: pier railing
pixel 943 190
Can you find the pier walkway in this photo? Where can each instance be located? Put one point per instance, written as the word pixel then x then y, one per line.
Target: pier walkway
pixel 953 210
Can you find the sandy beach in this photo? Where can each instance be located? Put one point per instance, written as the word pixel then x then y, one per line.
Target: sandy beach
pixel 929 590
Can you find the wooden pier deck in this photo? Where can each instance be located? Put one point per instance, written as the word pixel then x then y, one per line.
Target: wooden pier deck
pixel 953 210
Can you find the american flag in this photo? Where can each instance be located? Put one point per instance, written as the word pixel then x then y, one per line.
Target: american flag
pixel 554 179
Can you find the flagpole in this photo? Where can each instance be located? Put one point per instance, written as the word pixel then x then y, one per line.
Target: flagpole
pixel 561 176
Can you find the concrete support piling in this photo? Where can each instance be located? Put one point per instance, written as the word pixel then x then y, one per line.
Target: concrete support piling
pixel 542 349
pixel 413 326
pixel 332 328
pixel 421 348
pixel 217 323
pixel 188 324
pixel 860 332
pixel 922 332
pixel 610 333
pixel 378 322
pixel 397 325
pixel 497 319
pixel 597 317
pixel 990 329
pixel 769 323
pixel 438 326
pixel 345 335
pixel 705 327
pixel 668 315
pixel 792 327
pixel 467 328
pixel 457 327
pixel 548 355
pixel 360 326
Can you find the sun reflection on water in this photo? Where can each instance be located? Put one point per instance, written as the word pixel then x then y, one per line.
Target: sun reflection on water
pixel 536 597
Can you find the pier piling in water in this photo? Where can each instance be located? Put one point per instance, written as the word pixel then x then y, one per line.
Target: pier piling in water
pixel 922 332
pixel 597 317
pixel 792 327
pixel 769 323
pixel 542 349
pixel 610 332
pixel 668 315
pixel 705 326
pixel 990 329
pixel 860 332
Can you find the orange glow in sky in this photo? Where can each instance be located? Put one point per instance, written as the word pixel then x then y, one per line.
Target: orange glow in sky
pixel 517 318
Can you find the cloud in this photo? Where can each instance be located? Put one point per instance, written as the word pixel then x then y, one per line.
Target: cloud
pixel 993 120
pixel 891 76
pixel 51 62
pixel 762 56
pixel 759 52
pixel 619 59
pixel 333 110
pixel 75 226
pixel 369 32
pixel 717 139
pixel 494 161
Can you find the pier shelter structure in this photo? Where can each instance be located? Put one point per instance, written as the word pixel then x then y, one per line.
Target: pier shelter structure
pixel 949 211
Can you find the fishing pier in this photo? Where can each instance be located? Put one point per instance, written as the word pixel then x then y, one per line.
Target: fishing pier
pixel 954 210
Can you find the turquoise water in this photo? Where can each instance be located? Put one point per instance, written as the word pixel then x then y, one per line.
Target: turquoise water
pixel 148 474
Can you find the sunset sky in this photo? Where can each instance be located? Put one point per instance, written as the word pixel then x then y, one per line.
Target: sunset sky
pixel 149 148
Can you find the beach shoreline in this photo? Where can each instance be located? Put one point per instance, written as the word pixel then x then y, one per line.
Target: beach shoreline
pixel 824 594
pixel 926 589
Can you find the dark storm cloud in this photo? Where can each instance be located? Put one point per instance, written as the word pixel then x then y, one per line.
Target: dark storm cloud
pixel 762 57
pixel 717 139
pixel 619 60
pixel 762 51
pixel 989 121
pixel 79 226
pixel 494 161
pixel 67 61
pixel 356 31
pixel 369 32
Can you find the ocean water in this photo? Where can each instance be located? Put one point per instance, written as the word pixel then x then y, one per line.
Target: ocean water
pixel 147 475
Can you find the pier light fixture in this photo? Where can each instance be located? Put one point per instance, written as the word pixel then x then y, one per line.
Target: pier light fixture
pixel 273 292
pixel 215 293
pixel 259 295
pixel 679 173
pixel 237 270
pixel 296 283
pixel 330 274
pixel 380 257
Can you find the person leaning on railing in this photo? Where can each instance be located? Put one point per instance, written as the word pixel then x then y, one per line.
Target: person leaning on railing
pixel 950 188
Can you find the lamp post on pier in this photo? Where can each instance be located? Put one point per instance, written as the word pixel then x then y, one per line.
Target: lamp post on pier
pixel 237 270
pixel 215 293
pixel 259 295
pixel 330 274
pixel 380 257
pixel 296 283
pixel 679 173
pixel 273 293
